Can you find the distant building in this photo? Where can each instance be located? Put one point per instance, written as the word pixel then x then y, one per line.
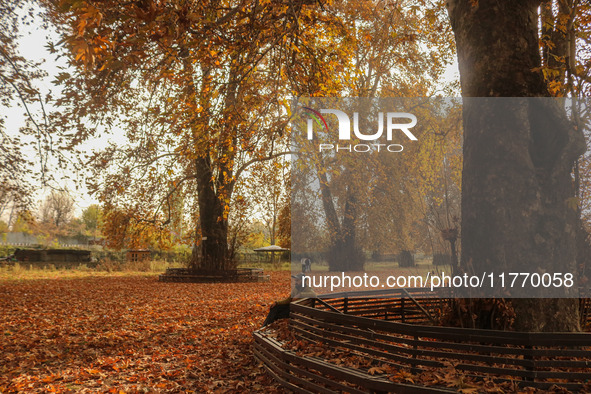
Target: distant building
pixel 139 255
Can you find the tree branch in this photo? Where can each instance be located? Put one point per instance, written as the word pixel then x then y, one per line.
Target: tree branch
pixel 258 160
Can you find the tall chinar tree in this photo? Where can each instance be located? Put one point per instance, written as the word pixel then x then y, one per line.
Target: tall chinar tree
pixel 196 89
pixel 517 187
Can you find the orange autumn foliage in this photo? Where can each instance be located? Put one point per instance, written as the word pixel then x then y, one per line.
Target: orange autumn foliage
pixel 133 334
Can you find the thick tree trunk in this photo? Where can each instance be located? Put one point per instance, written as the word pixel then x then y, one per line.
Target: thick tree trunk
pixel 348 253
pixel 213 222
pixel 343 253
pixel 516 180
pixel 211 252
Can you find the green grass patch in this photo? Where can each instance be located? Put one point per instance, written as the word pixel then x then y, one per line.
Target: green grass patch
pixel 24 271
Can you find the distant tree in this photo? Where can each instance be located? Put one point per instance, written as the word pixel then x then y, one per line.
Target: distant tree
pixel 75 228
pixel 378 54
pixel 284 226
pixel 269 187
pixel 91 217
pixel 256 235
pixel 24 222
pixel 57 209
pixel 122 229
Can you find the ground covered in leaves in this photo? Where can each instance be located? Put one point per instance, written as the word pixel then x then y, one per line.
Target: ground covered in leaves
pixel 133 334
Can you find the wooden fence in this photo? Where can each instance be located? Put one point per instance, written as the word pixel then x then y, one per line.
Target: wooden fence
pixel 398 331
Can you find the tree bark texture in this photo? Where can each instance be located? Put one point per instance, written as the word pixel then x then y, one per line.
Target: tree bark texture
pixel 214 224
pixel 211 252
pixel 516 179
pixel 343 253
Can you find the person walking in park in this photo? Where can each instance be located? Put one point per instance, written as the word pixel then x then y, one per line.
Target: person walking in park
pixel 306 264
